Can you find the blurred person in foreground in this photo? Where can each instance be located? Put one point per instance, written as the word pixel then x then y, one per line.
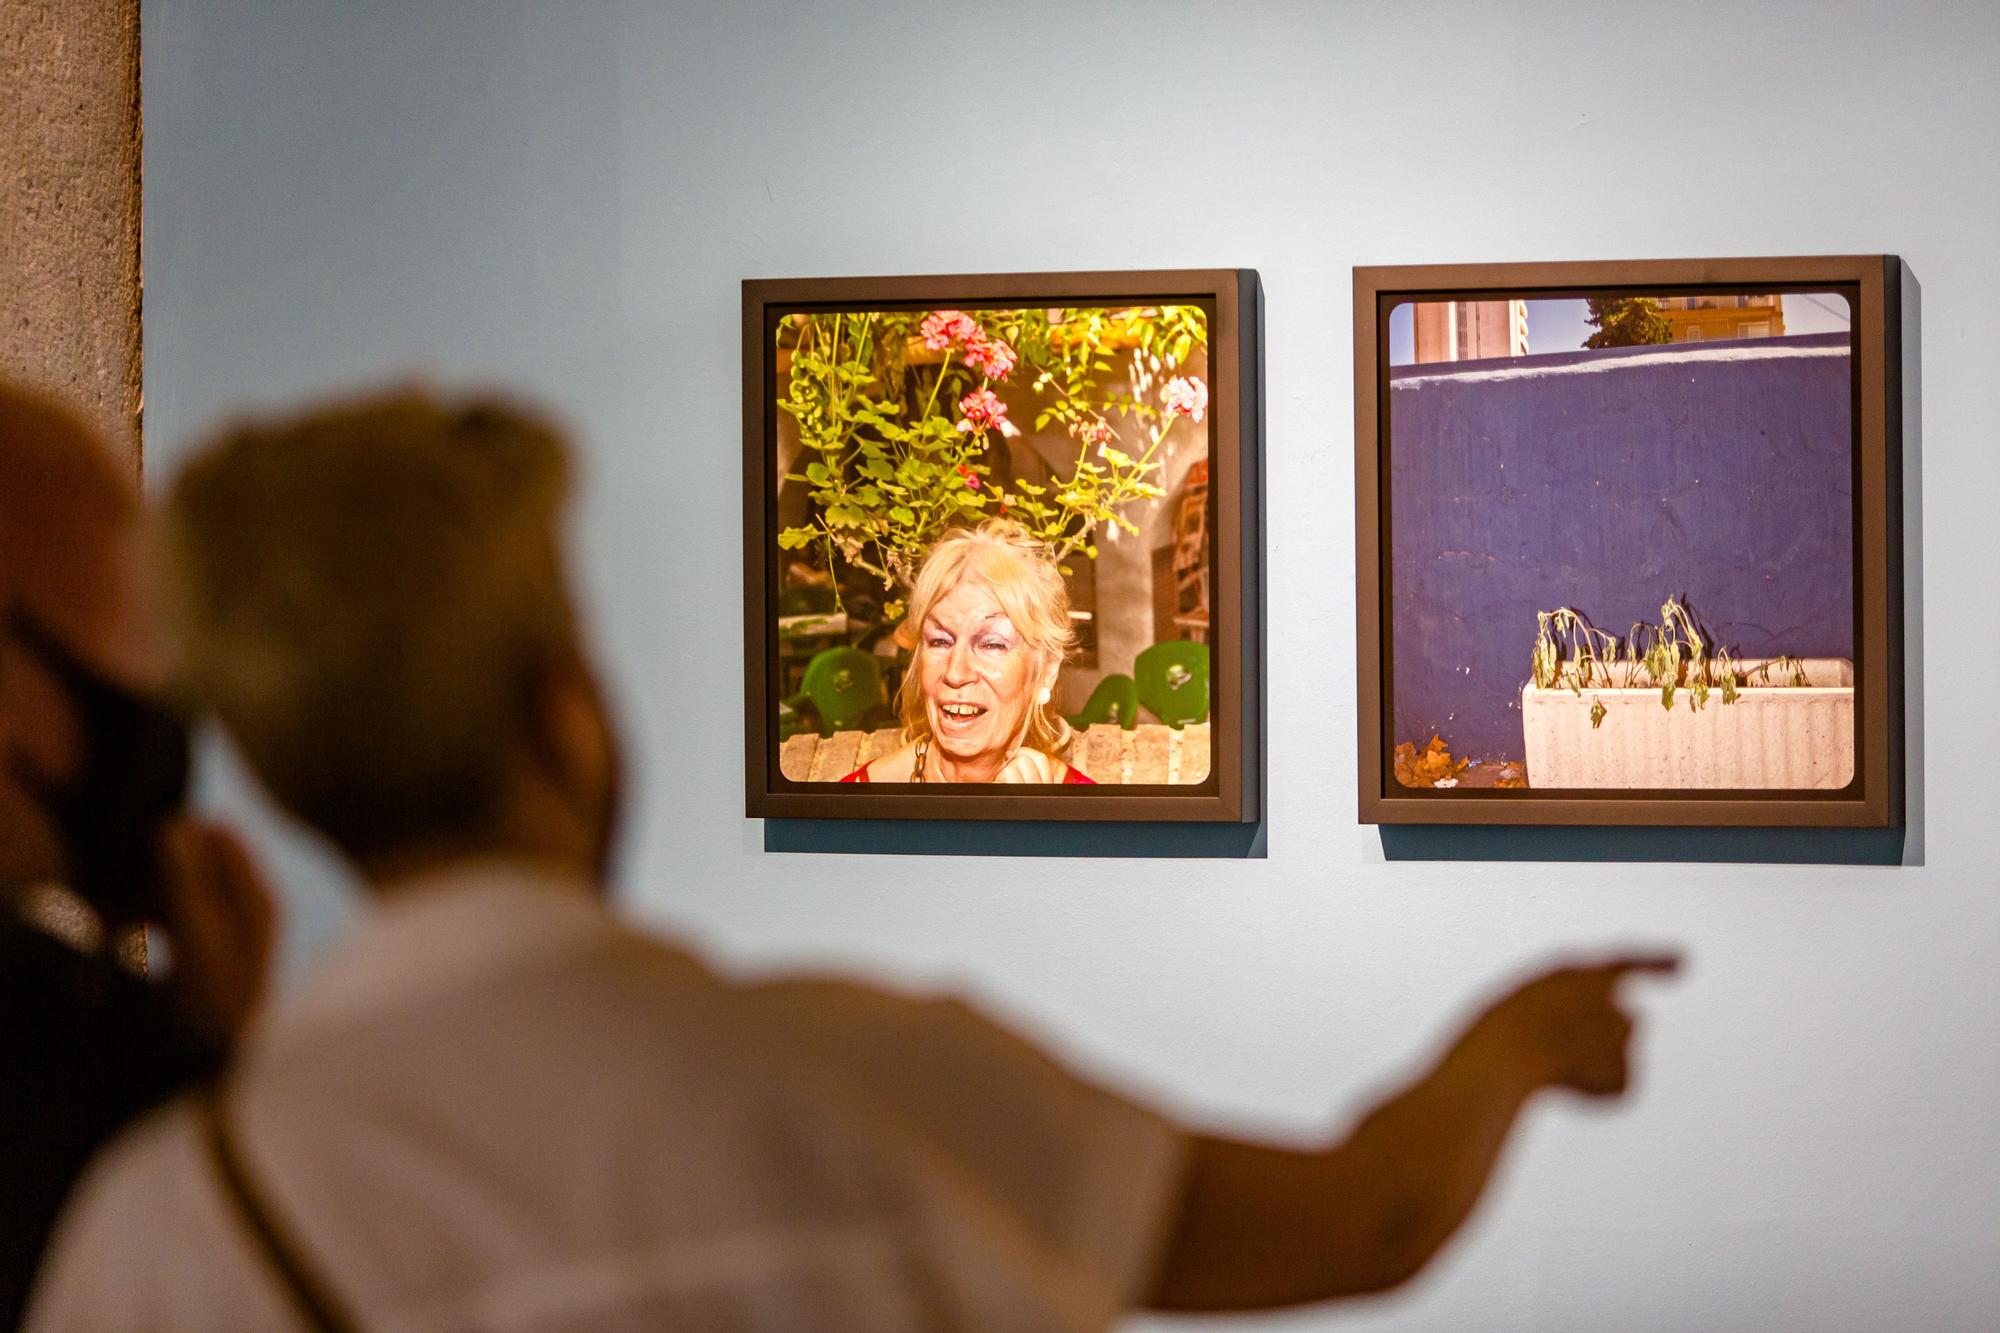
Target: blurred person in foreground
pixel 91 772
pixel 496 1107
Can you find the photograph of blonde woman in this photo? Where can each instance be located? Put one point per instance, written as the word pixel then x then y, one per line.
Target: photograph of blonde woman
pixel 992 548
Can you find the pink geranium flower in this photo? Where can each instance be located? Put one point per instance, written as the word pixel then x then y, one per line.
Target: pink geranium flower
pixel 946 328
pixel 980 410
pixel 1097 432
pixel 989 356
pixel 1188 396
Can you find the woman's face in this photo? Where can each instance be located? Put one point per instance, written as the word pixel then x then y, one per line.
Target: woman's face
pixel 979 679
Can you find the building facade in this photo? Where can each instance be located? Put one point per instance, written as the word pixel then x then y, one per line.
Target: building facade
pixel 1470 330
pixel 1710 318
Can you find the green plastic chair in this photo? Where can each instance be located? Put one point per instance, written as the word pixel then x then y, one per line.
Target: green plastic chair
pixel 843 685
pixel 1173 681
pixel 1116 699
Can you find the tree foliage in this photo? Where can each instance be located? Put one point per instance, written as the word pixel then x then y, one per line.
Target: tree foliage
pixel 898 445
pixel 1626 321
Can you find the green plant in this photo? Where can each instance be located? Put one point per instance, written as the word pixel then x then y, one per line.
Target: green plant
pixel 1626 321
pixel 1671 656
pixel 898 422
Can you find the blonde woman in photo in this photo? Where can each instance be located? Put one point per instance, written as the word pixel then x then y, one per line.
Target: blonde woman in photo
pixel 991 618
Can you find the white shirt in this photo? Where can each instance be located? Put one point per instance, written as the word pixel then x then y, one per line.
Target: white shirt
pixel 496 1108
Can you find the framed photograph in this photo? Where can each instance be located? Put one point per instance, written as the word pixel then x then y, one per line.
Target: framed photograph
pixel 1002 545
pixel 1628 542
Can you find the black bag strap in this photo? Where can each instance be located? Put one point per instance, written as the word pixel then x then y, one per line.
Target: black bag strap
pixel 310 1296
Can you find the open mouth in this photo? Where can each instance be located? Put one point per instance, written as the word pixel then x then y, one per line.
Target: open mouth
pixel 961 712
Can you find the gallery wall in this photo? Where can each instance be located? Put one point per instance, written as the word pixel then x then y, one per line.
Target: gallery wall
pixel 562 199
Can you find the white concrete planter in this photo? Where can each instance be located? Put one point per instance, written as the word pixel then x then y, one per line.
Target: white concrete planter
pixel 1775 737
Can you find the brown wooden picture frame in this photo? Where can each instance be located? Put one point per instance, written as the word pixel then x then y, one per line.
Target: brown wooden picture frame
pixel 1875 796
pixel 1233 790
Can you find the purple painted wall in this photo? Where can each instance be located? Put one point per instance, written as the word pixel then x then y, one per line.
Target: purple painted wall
pixel 1607 481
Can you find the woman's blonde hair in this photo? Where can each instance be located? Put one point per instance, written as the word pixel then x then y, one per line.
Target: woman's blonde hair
pixel 1029 587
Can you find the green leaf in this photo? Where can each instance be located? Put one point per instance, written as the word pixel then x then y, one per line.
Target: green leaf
pixel 903 515
pixel 791 539
pixel 818 473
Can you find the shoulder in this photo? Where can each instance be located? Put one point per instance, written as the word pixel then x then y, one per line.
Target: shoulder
pixel 895 766
pixel 156 1164
pixel 1037 767
pixel 971 1110
pixel 923 1052
pixel 145 1210
pixel 879 1037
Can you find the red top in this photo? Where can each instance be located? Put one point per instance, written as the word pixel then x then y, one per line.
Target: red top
pixel 1074 777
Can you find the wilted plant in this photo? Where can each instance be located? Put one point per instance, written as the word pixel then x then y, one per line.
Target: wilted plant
pixel 1671 656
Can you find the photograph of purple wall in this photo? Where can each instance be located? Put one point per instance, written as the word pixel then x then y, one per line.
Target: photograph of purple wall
pixel 1672 479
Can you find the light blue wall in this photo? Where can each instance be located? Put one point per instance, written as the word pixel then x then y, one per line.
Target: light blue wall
pixel 563 197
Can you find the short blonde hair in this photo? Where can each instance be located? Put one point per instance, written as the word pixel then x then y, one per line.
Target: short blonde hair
pixel 367 595
pixel 1017 566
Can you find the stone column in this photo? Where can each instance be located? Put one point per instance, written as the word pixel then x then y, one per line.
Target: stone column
pixel 69 206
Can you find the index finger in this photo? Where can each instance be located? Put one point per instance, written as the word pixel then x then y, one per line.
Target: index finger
pixel 1658 962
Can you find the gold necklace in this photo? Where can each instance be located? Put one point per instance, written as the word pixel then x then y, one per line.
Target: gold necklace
pixel 923 748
